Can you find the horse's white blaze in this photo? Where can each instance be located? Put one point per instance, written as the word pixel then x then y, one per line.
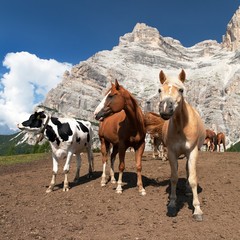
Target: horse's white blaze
pixel 164 106
pixel 170 89
pixel 101 105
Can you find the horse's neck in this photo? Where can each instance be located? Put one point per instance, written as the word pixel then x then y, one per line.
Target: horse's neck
pixel 135 115
pixel 181 116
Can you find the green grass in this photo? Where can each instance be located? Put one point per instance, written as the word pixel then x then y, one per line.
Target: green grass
pixel 24 158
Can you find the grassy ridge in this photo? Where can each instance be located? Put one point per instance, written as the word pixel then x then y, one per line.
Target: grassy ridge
pixel 23 158
pixel 9 145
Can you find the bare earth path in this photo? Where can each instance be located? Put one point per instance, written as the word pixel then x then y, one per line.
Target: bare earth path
pixel 88 211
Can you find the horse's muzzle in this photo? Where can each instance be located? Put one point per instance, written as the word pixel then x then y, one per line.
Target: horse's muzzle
pixel 166 109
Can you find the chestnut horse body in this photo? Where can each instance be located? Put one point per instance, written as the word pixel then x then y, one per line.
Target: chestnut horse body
pixel 154 123
pixel 211 137
pixel 121 129
pixel 221 140
pixel 183 133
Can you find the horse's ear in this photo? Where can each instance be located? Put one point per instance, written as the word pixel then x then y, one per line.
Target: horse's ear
pixel 182 76
pixel 117 84
pixel 162 77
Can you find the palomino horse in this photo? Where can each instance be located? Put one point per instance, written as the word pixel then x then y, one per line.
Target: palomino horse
pixel 154 123
pixel 122 129
pixel 183 133
pixel 221 139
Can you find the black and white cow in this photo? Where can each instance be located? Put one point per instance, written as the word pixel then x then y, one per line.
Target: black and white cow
pixel 67 136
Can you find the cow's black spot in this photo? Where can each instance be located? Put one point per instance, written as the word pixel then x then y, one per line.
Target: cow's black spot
pixel 78 139
pixel 83 127
pixel 51 135
pixel 64 129
pixel 78 127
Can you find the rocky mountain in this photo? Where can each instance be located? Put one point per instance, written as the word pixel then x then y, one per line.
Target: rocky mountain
pixel 212 68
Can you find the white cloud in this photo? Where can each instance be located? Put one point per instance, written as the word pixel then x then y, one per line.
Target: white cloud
pixel 26 84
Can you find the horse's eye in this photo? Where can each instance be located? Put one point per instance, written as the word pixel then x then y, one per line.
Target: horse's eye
pixel 181 90
pixel 159 90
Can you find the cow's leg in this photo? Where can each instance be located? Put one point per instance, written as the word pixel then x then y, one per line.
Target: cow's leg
pixel 55 170
pixel 172 206
pixel 90 161
pixel 138 158
pixel 66 171
pixel 192 179
pixel 113 157
pixel 79 164
pixel 104 150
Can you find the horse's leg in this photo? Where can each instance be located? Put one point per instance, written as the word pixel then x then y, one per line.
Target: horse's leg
pixel 66 171
pixel 122 152
pixel 172 206
pixel 79 163
pixel 113 157
pixel 55 170
pixel 138 158
pixel 104 150
pixel 192 179
pixel 224 146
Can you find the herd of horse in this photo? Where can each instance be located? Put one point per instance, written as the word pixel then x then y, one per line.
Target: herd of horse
pixel 178 129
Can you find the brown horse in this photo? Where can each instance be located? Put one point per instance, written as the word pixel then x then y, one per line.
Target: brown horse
pixel 122 129
pixel 209 144
pixel 211 135
pixel 183 133
pixel 221 139
pixel 154 123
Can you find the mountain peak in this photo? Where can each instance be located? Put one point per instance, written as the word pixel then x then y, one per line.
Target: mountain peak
pixel 141 33
pixel 231 40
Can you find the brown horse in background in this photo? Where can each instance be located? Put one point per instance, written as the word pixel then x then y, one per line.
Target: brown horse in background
pixel 122 129
pixel 221 140
pixel 183 133
pixel 212 137
pixel 154 123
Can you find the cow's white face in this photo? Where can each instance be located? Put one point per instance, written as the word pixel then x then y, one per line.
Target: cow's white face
pixel 34 123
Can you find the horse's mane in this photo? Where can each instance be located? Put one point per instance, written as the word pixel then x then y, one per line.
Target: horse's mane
pixel 139 113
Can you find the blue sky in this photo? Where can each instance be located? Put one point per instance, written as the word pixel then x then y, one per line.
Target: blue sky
pixel 61 33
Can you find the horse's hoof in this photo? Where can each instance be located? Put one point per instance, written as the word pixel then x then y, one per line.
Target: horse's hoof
pixel 171 211
pixel 65 189
pixel 49 190
pixel 142 192
pixel 113 181
pixel 198 217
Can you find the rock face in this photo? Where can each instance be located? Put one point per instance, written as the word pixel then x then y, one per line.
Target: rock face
pixel 213 77
pixel 231 40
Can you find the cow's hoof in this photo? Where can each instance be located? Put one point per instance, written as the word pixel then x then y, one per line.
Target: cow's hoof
pixel 198 217
pixel 49 190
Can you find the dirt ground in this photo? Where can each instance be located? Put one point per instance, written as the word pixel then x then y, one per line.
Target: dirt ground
pixel 89 211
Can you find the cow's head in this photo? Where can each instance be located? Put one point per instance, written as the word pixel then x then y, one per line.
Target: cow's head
pixel 35 123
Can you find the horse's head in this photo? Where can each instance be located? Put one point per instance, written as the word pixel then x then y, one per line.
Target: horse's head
pixel 171 94
pixel 113 102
